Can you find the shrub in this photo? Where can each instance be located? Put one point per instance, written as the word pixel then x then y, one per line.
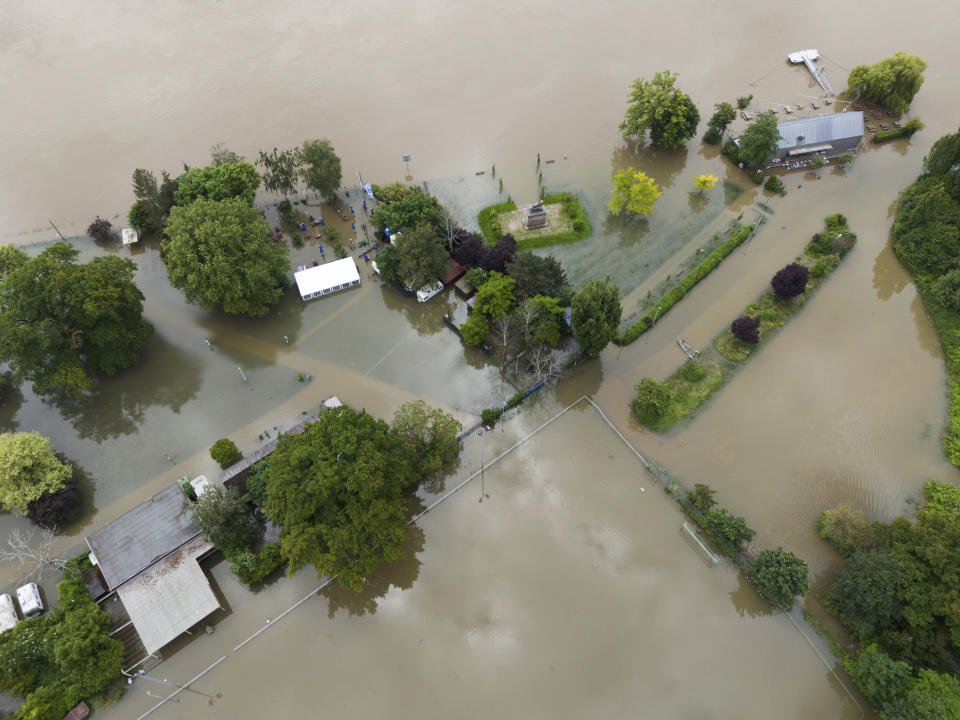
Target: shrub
pixel 489 416
pixel 731 150
pixel 790 281
pixel 757 177
pixel 843 243
pixel 712 136
pixel 579 225
pixel 476 276
pixel 331 232
pixel 692 371
pixel 747 329
pixel 653 398
pixel 99 230
pixel 846 528
pixel 825 264
pixel 774 184
pixel 820 244
pixel 224 451
pixel 846 158
pixel 569 209
pixel 744 100
pixel 338 248
pixel 701 497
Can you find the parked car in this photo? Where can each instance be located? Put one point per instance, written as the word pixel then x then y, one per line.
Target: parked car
pixel 29 598
pixel 428 291
pixel 8 613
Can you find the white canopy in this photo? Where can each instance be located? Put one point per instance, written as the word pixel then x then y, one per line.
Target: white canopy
pixel 323 279
pixel 8 613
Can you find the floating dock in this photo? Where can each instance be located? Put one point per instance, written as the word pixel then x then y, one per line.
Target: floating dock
pixel 809 58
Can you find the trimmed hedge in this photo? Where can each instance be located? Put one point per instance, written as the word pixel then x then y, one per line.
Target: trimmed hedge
pixel 487 219
pixel 686 284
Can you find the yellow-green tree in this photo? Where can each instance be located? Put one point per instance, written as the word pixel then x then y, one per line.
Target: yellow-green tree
pixel 28 469
pixel 705 182
pixel 633 191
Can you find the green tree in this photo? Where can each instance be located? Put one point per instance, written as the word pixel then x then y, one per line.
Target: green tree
pixel 218 182
pixel 931 696
pixel 759 141
pixel 280 170
pixel 140 218
pixel 421 256
pixel 879 677
pixel 474 330
pixel 724 114
pixel 388 263
pixel 817 163
pixel 87 658
pixel 61 322
pixel 634 191
pixel 221 155
pixel 595 315
pixel 224 451
pixel 338 491
pixel 495 297
pixel 227 519
pixel 702 497
pixel 320 167
pixel 536 275
pixel 431 433
pixel 412 210
pixel 781 576
pixel 892 81
pixel 218 253
pixel 942 499
pixel 728 528
pixel 653 398
pixel 28 469
pixel 845 158
pixel 153 200
pixel 846 528
pixel 864 592
pixel 943 155
pixel 538 321
pixel 656 105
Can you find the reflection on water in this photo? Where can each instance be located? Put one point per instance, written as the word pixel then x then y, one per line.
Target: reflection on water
pixel 747 600
pixel 926 334
pixel 628 227
pixel 697 201
pixel 661 164
pixel 400 574
pixel 11 398
pixel 166 377
pixel 889 276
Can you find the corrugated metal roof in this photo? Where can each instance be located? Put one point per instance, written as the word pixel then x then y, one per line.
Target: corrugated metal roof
pixel 139 538
pixel 170 597
pixel 821 129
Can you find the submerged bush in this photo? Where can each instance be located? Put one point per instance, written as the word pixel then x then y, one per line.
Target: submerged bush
pixel 747 329
pixel 790 281
pixel 846 528
pixel 653 398
pixel 774 184
pixel 692 371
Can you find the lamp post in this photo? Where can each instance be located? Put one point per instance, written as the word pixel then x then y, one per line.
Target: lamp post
pixel 480 433
pixel 659 308
pixel 503 411
pixel 483 489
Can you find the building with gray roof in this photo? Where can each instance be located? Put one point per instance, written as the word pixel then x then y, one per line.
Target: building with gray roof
pixel 828 134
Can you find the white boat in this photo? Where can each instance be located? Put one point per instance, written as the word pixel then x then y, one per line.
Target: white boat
pixel 8 613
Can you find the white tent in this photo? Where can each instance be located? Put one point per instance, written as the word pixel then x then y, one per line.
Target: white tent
pixel 325 279
pixel 128 236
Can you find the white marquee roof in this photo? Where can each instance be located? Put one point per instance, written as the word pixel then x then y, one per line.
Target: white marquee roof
pixel 325 277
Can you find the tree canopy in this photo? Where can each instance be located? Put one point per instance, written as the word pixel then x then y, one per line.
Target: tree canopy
pixel 943 156
pixel 217 253
pixel 338 491
pixel 667 112
pixel 705 181
pixel 28 470
pixel 280 169
pixel 864 593
pixel 496 297
pixel 633 190
pixel 759 141
pixel 781 576
pixel 153 200
pixel 421 257
pixel 411 210
pixel 892 81
pixel 536 275
pixel 320 167
pixel 431 433
pixel 61 322
pixel 595 315
pixel 227 519
pixel 218 182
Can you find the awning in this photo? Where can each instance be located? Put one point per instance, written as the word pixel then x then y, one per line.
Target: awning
pixel 811 149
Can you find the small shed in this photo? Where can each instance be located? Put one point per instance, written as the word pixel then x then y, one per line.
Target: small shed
pixel 8 613
pixel 129 236
pixel 463 289
pixel 326 279
pixel 534 216
pixel 455 271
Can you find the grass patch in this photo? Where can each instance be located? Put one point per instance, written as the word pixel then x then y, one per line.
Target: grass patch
pixel 686 284
pixel 570 224
pixel 686 392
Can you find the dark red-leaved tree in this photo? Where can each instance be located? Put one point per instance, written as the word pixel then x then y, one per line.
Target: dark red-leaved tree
pixel 99 229
pixel 746 328
pixel 501 253
pixel 471 252
pixel 55 509
pixel 790 281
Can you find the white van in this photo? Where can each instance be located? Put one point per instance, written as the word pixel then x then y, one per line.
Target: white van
pixel 29 598
pixel 8 613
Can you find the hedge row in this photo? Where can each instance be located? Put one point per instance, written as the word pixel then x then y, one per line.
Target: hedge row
pixel 686 285
pixel 487 219
pixel 885 135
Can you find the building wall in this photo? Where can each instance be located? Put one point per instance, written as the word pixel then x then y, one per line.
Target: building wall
pixel 839 147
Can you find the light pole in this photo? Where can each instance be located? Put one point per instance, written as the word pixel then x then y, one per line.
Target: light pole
pixel 659 308
pixel 483 489
pixel 480 433
pixel 503 411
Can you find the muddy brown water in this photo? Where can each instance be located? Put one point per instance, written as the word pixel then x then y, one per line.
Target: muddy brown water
pixel 846 404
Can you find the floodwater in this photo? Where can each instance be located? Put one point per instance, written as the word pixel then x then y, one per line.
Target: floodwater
pixel 845 405
pixel 558 585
